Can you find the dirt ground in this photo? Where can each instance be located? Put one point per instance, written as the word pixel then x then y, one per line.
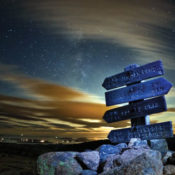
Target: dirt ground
pixel 17 165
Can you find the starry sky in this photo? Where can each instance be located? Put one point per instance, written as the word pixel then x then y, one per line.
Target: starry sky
pixel 55 54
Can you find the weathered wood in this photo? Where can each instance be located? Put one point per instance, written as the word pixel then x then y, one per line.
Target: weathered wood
pixel 137 109
pixel 156 87
pixel 147 132
pixel 134 75
pixel 142 120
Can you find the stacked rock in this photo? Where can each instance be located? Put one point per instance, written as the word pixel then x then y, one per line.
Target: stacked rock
pixel 137 157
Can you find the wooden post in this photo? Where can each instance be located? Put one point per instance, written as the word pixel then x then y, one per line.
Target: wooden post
pixel 141 120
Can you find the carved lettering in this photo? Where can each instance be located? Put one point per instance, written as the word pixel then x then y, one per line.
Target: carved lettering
pixel 136 109
pixel 134 75
pixel 156 87
pixel 154 131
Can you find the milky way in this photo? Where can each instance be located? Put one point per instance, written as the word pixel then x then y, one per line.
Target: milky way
pixel 76 44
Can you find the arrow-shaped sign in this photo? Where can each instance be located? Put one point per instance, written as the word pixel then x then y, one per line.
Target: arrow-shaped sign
pixel 147 132
pixel 137 109
pixel 152 88
pixel 134 75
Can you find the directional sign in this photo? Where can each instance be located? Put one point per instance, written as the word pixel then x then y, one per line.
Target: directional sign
pixel 137 109
pixel 156 87
pixel 134 75
pixel 144 132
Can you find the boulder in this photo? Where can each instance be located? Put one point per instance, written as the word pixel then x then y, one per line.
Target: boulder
pixel 132 153
pixel 169 170
pixel 106 150
pixel 58 163
pixel 166 157
pixel 90 159
pixel 112 162
pixel 171 159
pixel 88 172
pixel 159 145
pixel 145 162
pixel 137 142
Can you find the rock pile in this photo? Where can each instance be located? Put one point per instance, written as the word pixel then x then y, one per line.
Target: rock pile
pixel 138 157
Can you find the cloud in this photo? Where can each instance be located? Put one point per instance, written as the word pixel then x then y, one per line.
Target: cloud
pixel 143 26
pixel 57 109
pixel 53 106
pixel 171 94
pixel 171 109
pixel 41 89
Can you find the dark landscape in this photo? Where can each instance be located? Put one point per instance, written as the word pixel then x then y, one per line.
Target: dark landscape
pixel 20 159
pixel 74 73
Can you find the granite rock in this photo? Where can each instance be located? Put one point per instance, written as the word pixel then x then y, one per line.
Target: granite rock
pixel 90 159
pixel 148 162
pixel 88 172
pixel 159 145
pixel 137 142
pixel 106 150
pixel 169 170
pixel 58 163
pixel 166 157
pixel 132 153
pixel 112 162
pixel 171 159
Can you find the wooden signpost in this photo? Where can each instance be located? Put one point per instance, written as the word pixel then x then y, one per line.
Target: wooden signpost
pixel 156 87
pixel 138 108
pixel 145 132
pixel 134 75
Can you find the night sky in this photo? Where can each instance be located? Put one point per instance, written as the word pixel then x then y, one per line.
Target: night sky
pixel 55 54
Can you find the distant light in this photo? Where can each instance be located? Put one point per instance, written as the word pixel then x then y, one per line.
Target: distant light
pixel 90 120
pixel 42 141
